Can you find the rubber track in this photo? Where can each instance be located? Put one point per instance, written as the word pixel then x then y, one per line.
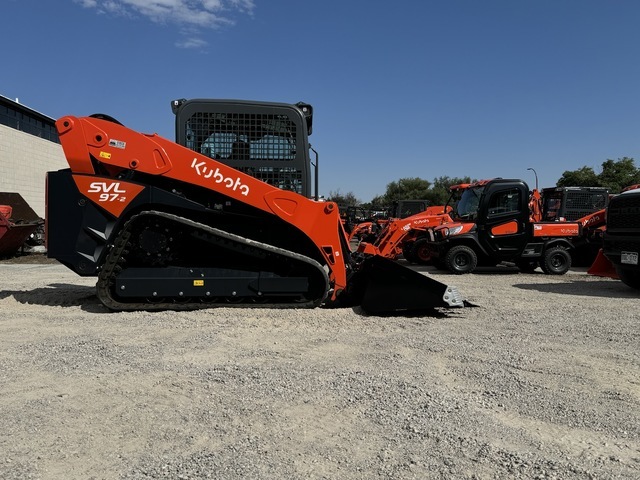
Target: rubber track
pixel 111 268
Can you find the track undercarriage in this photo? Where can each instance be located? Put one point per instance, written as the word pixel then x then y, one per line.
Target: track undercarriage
pixel 160 261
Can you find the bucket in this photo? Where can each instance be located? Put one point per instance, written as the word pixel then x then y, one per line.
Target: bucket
pixel 383 286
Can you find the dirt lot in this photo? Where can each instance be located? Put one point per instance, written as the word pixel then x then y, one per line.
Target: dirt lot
pixel 540 380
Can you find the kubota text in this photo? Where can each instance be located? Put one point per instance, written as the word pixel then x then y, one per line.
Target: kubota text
pixel 206 172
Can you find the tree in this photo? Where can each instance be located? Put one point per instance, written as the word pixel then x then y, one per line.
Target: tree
pixel 440 190
pixel 419 189
pixel 377 202
pixel 344 200
pixel 583 177
pixel 406 188
pixel 615 175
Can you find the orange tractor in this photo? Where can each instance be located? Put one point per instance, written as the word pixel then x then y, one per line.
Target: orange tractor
pixel 221 218
pixel 369 229
pixel 398 235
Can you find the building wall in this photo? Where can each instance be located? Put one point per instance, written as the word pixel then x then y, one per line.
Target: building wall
pixel 24 161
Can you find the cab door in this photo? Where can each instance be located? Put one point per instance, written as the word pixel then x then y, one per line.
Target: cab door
pixel 503 222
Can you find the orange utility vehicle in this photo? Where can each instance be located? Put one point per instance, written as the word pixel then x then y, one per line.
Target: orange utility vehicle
pixel 224 221
pixel 493 223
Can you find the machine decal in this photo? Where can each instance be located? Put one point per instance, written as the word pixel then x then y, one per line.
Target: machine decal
pixel 108 191
pixel 595 218
pixel 105 155
pixel 113 196
pixel 117 144
pixel 203 171
pixel 423 221
pixel 556 229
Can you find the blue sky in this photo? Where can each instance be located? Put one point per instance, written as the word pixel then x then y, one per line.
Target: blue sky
pixel 419 88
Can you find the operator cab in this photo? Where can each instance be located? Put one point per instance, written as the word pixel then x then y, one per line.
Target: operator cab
pixel 268 141
pixel 572 203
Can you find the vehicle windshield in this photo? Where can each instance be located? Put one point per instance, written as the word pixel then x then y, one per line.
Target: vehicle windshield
pixel 467 206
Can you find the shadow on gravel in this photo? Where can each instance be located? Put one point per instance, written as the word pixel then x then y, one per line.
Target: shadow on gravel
pixel 431 313
pixel 68 295
pixel 59 295
pixel 604 288
pixel 427 312
pixel 498 270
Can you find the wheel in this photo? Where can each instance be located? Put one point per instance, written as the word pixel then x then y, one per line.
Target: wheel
pixel 527 266
pixel 461 259
pixel 421 252
pixel 407 252
pixel 630 278
pixel 556 261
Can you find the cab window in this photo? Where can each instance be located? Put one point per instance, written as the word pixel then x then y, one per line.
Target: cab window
pixel 505 202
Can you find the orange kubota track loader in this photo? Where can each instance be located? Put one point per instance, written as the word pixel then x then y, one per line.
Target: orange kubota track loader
pixel 164 227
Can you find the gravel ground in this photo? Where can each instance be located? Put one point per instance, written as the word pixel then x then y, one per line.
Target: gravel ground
pixel 540 380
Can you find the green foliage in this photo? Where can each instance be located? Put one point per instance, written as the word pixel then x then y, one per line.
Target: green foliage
pixel 419 189
pixel 377 203
pixel 407 188
pixel 344 200
pixel 440 190
pixel 615 175
pixel 583 177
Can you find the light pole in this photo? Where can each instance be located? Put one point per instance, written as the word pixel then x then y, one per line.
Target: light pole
pixel 534 172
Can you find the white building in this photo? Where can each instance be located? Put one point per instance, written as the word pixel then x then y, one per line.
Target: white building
pixel 29 147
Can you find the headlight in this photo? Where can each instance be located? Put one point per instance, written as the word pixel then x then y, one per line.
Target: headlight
pixel 452 231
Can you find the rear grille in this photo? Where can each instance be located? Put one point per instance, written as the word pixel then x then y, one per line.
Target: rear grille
pixel 581 204
pixel 624 213
pixel 621 245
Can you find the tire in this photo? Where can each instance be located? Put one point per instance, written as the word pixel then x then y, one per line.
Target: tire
pixel 631 278
pixel 407 252
pixel 461 259
pixel 420 251
pixel 556 261
pixel 527 266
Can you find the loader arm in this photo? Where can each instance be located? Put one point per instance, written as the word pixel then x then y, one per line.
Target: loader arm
pixel 87 141
pixel 389 242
